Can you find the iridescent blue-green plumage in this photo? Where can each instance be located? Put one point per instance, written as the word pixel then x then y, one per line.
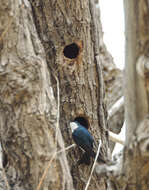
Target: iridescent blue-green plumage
pixel 84 139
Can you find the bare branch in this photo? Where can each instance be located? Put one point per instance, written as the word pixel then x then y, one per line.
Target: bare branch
pixel 45 172
pixel 67 148
pixel 99 146
pixel 115 138
pixel 58 110
pixel 49 164
pixel 116 107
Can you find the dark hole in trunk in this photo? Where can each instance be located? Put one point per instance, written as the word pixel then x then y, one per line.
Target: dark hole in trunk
pixel 83 121
pixel 71 51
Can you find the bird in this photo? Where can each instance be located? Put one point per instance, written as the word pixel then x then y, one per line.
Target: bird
pixel 85 141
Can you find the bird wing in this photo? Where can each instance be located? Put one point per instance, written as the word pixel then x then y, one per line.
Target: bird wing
pixel 83 138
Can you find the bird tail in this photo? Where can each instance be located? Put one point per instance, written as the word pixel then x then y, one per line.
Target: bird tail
pixel 85 159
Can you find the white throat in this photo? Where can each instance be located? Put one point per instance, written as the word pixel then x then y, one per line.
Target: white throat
pixel 73 126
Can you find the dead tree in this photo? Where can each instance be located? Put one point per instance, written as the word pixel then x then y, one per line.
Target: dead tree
pixel 132 170
pixel 50 74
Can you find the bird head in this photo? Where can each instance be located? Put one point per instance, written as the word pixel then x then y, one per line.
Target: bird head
pixel 73 126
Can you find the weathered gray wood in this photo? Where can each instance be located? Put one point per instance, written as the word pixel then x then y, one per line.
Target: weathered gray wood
pixel 136 91
pixel 81 85
pixel 132 170
pixel 136 46
pixel 33 70
pixel 28 108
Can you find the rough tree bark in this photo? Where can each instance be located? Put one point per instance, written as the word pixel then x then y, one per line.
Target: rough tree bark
pixel 27 104
pixel 136 94
pixel 132 171
pixel 113 79
pixel 49 74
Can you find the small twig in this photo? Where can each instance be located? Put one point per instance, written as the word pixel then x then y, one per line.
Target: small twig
pixel 97 154
pixel 67 148
pixel 58 110
pixel 45 172
pixel 49 164
pixel 112 136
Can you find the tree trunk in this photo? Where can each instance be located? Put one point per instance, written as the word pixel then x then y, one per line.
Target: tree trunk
pixel 136 94
pixel 49 74
pixel 132 170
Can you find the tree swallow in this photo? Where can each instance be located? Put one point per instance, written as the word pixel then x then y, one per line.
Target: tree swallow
pixel 84 139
